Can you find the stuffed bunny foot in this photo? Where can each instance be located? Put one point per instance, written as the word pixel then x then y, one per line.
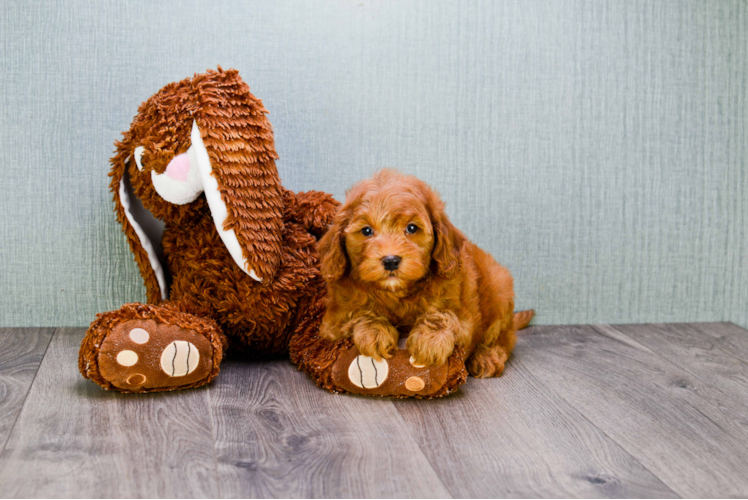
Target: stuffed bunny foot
pixel 398 376
pixel 146 348
pixel 339 367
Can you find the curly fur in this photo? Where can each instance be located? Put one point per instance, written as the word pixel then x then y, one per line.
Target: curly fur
pixel 445 292
pixel 276 228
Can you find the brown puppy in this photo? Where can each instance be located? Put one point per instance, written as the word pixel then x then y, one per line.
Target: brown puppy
pixel 394 263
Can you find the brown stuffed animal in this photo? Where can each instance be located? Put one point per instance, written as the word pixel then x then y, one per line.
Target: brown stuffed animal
pixel 239 265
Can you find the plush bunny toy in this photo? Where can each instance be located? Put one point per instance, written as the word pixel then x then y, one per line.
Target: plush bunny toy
pixel 238 265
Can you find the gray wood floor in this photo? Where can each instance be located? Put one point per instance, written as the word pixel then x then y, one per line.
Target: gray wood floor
pixel 582 411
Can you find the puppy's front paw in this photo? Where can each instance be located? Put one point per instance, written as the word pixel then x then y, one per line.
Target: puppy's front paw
pixel 375 339
pixel 429 346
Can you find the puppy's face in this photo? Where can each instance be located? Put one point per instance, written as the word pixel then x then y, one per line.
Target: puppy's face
pixel 391 232
pixel 389 238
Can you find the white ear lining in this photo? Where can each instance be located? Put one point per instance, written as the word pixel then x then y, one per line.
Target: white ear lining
pixel 124 197
pixel 138 154
pixel 217 207
pixel 206 183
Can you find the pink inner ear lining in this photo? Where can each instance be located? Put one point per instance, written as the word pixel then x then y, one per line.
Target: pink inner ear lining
pixel 179 167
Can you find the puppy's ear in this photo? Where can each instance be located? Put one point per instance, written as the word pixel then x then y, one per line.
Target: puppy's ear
pixel 448 241
pixel 331 247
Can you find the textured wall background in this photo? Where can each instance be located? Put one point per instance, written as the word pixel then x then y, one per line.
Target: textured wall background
pixel 598 149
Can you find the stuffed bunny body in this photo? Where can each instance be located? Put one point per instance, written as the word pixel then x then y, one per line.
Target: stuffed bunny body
pixel 258 319
pixel 239 265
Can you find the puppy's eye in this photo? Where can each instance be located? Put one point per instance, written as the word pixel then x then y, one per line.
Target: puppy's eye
pixel 411 229
pixel 367 231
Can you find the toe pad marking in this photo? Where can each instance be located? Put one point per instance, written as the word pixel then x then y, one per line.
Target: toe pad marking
pixel 139 336
pixel 127 358
pixel 366 373
pixel 415 384
pixel 413 362
pixel 136 379
pixel 179 358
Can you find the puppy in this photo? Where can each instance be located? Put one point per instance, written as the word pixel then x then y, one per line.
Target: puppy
pixel 394 264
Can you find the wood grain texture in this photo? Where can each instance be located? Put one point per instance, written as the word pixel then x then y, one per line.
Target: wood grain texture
pixel 513 437
pixel 72 439
pixel 21 352
pixel 679 427
pixel 730 337
pixel 278 435
pixel 716 353
pixel 603 411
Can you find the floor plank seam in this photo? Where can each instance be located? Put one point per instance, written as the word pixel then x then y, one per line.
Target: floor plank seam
pixel 420 450
pixel 596 329
pixel 18 415
pixel 670 363
pixel 213 435
pixel 697 326
pixel 584 417
pixel 719 345
pixel 662 391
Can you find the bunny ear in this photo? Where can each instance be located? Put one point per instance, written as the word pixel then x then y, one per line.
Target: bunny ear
pixel 141 229
pixel 220 152
pixel 236 155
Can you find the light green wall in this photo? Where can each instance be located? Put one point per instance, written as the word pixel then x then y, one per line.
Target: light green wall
pixel 598 149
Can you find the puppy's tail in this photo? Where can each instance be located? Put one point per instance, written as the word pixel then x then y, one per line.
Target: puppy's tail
pixel 523 318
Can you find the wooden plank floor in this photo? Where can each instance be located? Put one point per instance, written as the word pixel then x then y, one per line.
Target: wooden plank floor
pixel 582 411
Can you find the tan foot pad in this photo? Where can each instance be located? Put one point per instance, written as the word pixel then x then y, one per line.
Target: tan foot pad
pixel 141 354
pixel 397 376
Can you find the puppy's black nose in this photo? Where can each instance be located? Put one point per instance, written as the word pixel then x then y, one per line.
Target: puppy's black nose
pixel 391 262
